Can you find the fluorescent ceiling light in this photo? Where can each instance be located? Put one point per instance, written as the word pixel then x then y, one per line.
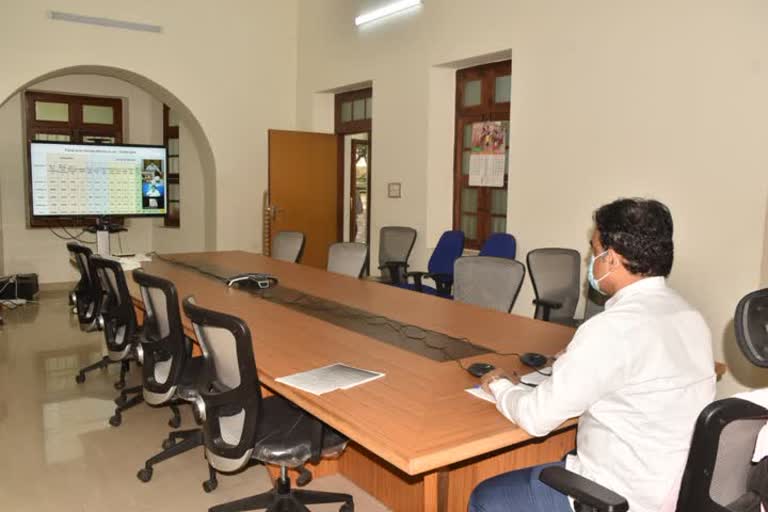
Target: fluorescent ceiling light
pixel 104 22
pixel 387 10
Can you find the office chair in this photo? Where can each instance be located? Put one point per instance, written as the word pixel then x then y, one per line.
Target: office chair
pixel 555 275
pixel 595 304
pixel 487 281
pixel 241 428
pixel 440 266
pixel 395 245
pixel 288 246
pixel 719 475
pixel 347 258
pixel 169 372
pixel 85 296
pixel 121 331
pixel 500 245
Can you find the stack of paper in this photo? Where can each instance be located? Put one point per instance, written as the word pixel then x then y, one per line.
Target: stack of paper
pixel 132 262
pixel 529 381
pixel 329 378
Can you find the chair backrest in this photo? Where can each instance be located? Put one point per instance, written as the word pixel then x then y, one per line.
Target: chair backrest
pixel 165 349
pixel 395 244
pixel 720 457
pixel 487 281
pixel 288 246
pixel 347 258
pixel 555 275
pixel 230 388
pixel 448 250
pixel 87 292
pixel 500 245
pixel 751 323
pixel 120 326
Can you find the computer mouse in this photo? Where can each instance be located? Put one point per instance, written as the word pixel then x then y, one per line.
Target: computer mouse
pixel 480 369
pixel 534 360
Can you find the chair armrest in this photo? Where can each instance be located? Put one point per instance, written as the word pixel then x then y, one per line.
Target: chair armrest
pixel 583 491
pixel 394 269
pixel 547 306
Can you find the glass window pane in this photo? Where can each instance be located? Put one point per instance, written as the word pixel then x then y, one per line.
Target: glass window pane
pixel 469 226
pixel 369 108
pixel 498 224
pixel 472 93
pixel 173 146
pixel 465 163
pixel 469 199
pixel 499 201
pixel 358 110
pixel 346 111
pixel 173 119
pixel 49 111
pixel 468 135
pixel 98 114
pixel 502 89
pixel 98 139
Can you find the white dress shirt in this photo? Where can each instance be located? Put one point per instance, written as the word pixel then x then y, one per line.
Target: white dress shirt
pixel 638 375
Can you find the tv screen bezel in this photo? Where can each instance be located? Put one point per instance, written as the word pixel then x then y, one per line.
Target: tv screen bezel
pixel 47 218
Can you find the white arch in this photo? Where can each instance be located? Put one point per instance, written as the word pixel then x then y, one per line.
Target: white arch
pixel 161 93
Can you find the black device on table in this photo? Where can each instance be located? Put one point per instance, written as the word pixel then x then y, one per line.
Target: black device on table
pixel 253 279
pixel 480 369
pixel 531 359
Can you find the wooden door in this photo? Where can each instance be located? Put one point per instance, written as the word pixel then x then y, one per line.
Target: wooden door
pixel 303 190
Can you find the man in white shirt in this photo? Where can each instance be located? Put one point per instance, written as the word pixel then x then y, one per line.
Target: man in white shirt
pixel 636 375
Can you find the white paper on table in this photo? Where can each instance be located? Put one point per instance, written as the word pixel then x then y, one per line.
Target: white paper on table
pixel 329 378
pixel 533 378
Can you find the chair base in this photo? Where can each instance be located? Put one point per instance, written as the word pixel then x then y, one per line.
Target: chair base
pixel 124 403
pixel 102 364
pixel 177 443
pixel 284 499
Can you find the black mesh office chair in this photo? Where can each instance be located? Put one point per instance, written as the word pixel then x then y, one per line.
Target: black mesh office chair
pixel 395 246
pixel 122 333
pixel 288 246
pixel 347 258
pixel 488 281
pixel 556 282
pixel 719 475
pixel 241 427
pixel 87 297
pixel 169 372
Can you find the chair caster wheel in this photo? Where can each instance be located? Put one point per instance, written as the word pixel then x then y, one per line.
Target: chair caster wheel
pixel 120 401
pixel 120 384
pixel 116 420
pixel 167 443
pixel 174 422
pixel 347 507
pixel 144 474
pixel 210 485
pixel 80 378
pixel 304 478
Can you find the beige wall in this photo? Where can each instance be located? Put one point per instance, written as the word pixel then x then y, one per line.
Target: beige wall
pixel 38 250
pixel 231 67
pixel 609 98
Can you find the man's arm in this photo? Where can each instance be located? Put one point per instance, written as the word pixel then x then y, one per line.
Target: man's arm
pixel 592 367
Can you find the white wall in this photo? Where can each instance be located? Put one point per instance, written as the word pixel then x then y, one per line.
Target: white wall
pixel 38 250
pixel 230 66
pixel 663 98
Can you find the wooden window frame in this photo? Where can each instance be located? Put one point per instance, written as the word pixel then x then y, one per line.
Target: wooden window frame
pixel 76 128
pixel 487 110
pixel 171 132
pixel 359 126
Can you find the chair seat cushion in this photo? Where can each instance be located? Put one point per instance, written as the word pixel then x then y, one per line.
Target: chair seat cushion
pixel 285 434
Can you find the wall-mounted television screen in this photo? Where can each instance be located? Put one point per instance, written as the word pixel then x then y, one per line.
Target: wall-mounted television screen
pixel 97 179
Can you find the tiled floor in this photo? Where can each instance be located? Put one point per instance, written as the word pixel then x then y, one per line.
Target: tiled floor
pixel 58 451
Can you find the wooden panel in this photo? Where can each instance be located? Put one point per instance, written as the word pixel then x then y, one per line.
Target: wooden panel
pixel 303 189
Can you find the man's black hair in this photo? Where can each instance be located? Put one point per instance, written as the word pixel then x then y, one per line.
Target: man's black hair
pixel 641 231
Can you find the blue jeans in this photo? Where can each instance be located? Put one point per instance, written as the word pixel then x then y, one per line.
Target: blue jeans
pixel 518 491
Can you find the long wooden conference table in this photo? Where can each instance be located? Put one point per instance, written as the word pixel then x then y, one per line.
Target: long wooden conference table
pixel 419 441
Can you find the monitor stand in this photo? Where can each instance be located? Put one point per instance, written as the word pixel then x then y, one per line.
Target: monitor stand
pixel 103 229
